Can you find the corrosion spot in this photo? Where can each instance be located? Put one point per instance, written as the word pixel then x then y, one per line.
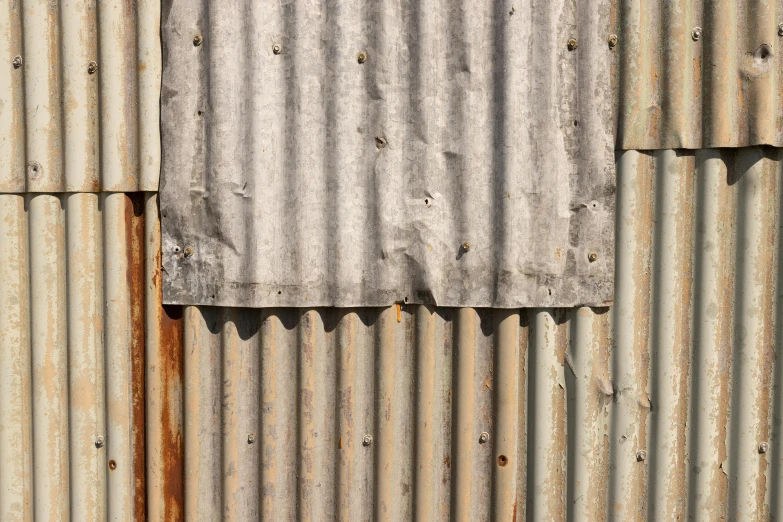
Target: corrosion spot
pixel 112 465
pixel 502 460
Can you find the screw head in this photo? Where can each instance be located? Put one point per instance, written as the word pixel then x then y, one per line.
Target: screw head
pixel 696 34
pixel 92 67
pixel 763 447
pixel 197 40
pixel 641 455
pixel 361 57
pixel 484 437
pixel 277 49
pixel 465 246
pixel 17 62
pixel 780 29
pixel 592 257
pixel 367 440
pixel 100 441
pixel 572 44
pixel 612 41
pixel 188 251
pixel 251 438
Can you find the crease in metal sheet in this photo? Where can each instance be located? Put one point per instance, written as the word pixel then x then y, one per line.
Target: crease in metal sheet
pixel 352 154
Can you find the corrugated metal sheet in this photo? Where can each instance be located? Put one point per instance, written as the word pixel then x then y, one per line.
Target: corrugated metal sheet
pixel 665 407
pixel 72 356
pixel 79 96
pixel 341 153
pixel 697 74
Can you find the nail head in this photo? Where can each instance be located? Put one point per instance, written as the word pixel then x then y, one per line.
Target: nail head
pixel 92 67
pixel 592 257
pixel 367 440
pixel 277 49
pixel 641 455
pixel 612 41
pixel 696 34
pixel 197 40
pixel 251 438
pixel 99 442
pixel 17 62
pixel 763 447
pixel 466 246
pixel 188 251
pixel 572 44
pixel 361 57
pixel 484 437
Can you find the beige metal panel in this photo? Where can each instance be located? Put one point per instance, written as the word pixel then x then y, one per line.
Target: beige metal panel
pixel 79 108
pixel 72 321
pixel 696 74
pixel 16 452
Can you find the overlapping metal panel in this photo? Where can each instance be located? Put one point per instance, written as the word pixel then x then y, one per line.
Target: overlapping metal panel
pixel 79 96
pixel 665 407
pixel 357 153
pixel 699 74
pixel 72 355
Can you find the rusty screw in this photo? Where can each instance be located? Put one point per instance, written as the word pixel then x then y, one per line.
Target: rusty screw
pixel 612 41
pixel 361 57
pixel 99 442
pixel 641 455
pixel 465 247
pixel 197 40
pixel 17 62
pixel 763 447
pixel 367 440
pixel 592 257
pixel 572 44
pixel 92 67
pixel 277 49
pixel 484 437
pixel 696 34
pixel 188 251
pixel 251 438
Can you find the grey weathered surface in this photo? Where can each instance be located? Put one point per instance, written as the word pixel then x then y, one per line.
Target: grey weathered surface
pixel 493 133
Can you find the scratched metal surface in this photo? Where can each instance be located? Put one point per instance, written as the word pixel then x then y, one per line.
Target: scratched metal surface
pixel 722 89
pixel 340 153
pixel 662 407
pixel 79 96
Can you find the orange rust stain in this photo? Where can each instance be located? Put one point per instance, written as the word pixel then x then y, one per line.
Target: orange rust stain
pixel 447 462
pixel 171 338
pixel 134 230
pixel 399 313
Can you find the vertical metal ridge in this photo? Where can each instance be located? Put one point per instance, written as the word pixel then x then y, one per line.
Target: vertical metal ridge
pixel 305 440
pixel 628 433
pixel 757 188
pixel 164 345
pixel 385 414
pixel 16 442
pixel 149 70
pixel 591 393
pixel 86 357
pixel 711 348
pixel 349 437
pixel 547 417
pixel 463 414
pixel 671 292
pixel 230 397
pixel 425 489
pixel 12 104
pixel 505 388
pixel 48 326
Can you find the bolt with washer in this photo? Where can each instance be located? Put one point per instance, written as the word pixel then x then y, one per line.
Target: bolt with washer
pixel 251 438
pixel 484 437
pixel 277 49
pixel 465 246
pixel 641 455
pixel 763 447
pixel 188 251
pixel 612 41
pixel 197 40
pixel 696 34
pixel 92 67
pixel 17 63
pixel 361 57
pixel 572 44
pixel 99 442
pixel 367 440
pixel 592 257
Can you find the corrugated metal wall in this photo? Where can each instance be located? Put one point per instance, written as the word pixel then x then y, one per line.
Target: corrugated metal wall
pixel 665 406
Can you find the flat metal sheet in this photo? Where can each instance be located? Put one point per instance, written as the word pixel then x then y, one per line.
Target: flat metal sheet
pixel 341 153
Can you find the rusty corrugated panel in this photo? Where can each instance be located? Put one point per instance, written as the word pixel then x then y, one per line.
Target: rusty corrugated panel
pixel 72 357
pixel 661 408
pixel 696 74
pixel 79 96
pixel 342 153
